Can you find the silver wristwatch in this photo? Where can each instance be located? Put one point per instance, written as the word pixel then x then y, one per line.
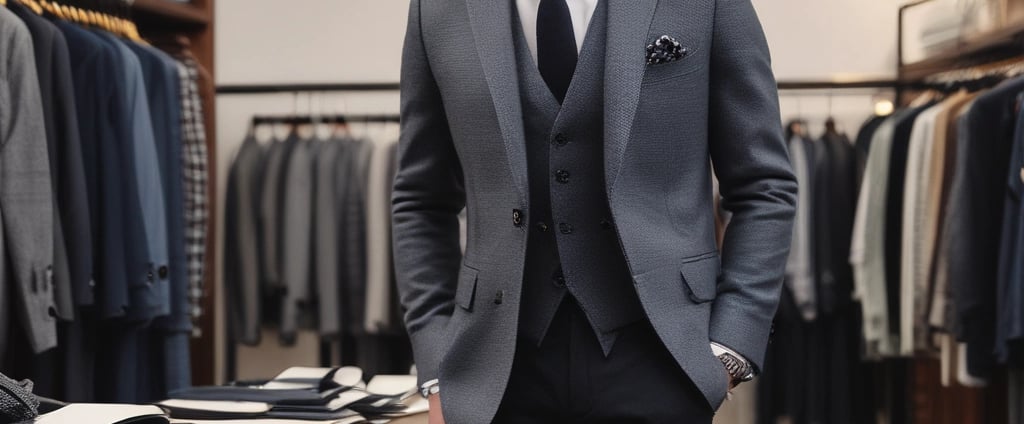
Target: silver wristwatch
pixel 738 369
pixel 430 388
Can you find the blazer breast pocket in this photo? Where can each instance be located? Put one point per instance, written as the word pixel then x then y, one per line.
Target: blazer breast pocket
pixel 689 64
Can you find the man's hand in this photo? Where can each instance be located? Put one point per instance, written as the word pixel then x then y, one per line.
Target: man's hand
pixel 435 416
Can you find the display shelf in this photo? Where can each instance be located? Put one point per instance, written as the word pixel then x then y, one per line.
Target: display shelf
pixel 984 48
pixel 171 12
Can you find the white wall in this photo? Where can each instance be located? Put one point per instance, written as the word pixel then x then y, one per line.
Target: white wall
pixel 298 41
pixel 826 39
pixel 262 41
pixel 274 41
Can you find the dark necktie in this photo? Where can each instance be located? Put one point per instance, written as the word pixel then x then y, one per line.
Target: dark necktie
pixel 556 46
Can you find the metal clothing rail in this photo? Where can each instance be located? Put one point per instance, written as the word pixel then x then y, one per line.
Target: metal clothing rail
pixel 394 86
pixel 848 84
pixel 327 119
pixel 292 88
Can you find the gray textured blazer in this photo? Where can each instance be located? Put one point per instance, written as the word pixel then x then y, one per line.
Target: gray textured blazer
pixel 26 195
pixel 462 144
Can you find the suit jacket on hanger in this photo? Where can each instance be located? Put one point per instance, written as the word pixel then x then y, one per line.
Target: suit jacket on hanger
pixel 894 219
pixel 378 243
pixel 327 238
pixel 800 275
pixel 196 179
pixel 72 250
pixel 160 74
pixel 26 192
pixel 1010 293
pixel 867 247
pixel 355 176
pixel 915 202
pixel 272 226
pixel 297 242
pixel 242 242
pixel 149 255
pixel 834 203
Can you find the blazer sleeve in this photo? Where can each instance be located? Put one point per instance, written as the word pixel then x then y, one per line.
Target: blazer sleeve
pixel 428 195
pixel 757 182
pixel 26 195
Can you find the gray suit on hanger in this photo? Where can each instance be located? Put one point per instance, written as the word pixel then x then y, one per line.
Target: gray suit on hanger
pixel 297 242
pixel 462 144
pixel 242 241
pixel 26 195
pixel 327 237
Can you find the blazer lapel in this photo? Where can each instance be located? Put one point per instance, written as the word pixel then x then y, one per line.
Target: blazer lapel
pixel 629 22
pixel 492 31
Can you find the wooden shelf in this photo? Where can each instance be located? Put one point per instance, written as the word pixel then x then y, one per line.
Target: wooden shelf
pixel 170 12
pixel 985 48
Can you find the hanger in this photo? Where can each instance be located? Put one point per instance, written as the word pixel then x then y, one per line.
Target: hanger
pixel 341 128
pixel 30 4
pixel 830 123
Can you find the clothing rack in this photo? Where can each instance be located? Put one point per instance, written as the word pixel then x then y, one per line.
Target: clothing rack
pixel 325 352
pixel 959 66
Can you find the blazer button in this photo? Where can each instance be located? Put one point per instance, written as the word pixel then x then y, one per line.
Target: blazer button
pixel 562 176
pixel 499 297
pixel 542 226
pixel 163 272
pixel 561 139
pixel 517 217
pixel 565 228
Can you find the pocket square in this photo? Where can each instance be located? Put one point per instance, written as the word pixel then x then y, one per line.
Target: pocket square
pixel 664 50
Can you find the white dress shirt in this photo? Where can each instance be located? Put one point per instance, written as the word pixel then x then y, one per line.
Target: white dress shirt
pixel 579 10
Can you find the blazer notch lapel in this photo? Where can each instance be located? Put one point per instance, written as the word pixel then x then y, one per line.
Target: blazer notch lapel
pixel 629 23
pixel 491 21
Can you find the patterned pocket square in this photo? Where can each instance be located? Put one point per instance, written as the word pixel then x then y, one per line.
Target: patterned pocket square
pixel 665 50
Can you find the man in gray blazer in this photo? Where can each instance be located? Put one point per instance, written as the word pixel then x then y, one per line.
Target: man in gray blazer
pixel 580 135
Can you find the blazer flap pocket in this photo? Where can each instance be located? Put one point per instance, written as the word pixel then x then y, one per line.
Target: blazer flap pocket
pixel 701 278
pixel 466 290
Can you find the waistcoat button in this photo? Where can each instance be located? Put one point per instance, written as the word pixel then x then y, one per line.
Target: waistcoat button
pixel 561 139
pixel 565 228
pixel 562 176
pixel 559 280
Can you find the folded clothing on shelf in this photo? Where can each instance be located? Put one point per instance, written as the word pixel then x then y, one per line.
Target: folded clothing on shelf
pixel 302 393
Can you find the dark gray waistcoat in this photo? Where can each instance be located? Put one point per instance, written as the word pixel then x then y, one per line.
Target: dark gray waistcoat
pixel 572 246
